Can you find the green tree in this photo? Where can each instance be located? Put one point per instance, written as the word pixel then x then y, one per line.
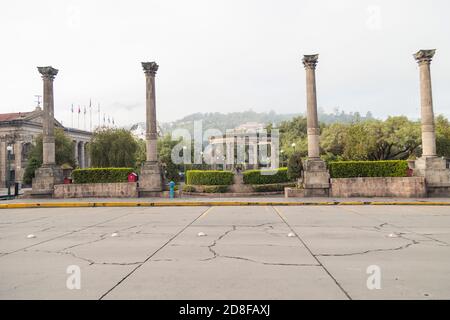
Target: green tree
pixel 295 166
pixel 165 146
pixel 63 154
pixel 443 136
pixel 112 147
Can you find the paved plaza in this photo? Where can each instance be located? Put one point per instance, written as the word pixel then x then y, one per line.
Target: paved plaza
pixel 266 252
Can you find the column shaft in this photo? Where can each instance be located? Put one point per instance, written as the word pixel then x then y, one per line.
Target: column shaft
pixel 48 156
pixel 426 101
pixel 310 62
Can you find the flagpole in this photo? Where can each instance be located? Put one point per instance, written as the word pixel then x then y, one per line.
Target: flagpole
pixel 99 116
pixel 79 110
pixel 72 116
pixel 90 116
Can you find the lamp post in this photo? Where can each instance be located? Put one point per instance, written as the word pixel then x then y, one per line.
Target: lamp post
pixel 8 175
pixel 184 162
pixel 282 157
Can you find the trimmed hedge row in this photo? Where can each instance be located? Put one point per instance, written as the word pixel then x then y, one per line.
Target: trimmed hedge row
pixel 266 176
pixel 209 177
pixel 272 187
pixel 206 189
pixel 354 169
pixel 101 175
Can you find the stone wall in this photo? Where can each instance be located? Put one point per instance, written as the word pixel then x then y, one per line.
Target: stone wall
pixel 408 187
pixel 96 190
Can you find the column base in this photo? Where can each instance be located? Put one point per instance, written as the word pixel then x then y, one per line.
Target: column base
pixel 150 179
pixel 45 179
pixel 436 173
pixel 316 178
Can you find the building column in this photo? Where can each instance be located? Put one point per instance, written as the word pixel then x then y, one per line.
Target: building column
pixel 82 156
pixel 151 178
pixel 3 162
pixel 18 160
pixel 75 152
pixel 423 58
pixel 229 163
pixel 316 179
pixel 48 174
pixel 310 62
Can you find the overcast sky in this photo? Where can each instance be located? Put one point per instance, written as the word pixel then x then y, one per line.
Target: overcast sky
pixel 223 55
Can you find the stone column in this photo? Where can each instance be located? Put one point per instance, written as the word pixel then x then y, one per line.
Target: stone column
pixel 316 179
pixel 49 174
pixel 18 160
pixel 310 62
pixel 150 69
pixel 3 162
pixel 82 156
pixel 430 166
pixel 423 58
pixel 48 155
pixel 150 179
pixel 75 152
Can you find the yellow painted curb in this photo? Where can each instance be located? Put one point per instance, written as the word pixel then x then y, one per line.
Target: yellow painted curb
pixel 214 204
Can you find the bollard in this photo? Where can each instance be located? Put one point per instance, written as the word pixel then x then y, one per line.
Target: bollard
pixel 171 189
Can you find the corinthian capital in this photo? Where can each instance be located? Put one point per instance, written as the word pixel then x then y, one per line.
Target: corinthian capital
pixel 424 56
pixel 48 72
pixel 310 61
pixel 150 67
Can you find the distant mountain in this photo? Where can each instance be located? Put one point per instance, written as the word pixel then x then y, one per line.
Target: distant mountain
pixel 224 121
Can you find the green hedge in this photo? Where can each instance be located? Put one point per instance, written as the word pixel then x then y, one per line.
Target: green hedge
pixel 272 187
pixel 101 175
pixel 205 189
pixel 269 177
pixel 209 177
pixel 354 169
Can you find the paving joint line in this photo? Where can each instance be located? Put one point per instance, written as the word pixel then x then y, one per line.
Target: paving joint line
pixel 154 253
pixel 310 251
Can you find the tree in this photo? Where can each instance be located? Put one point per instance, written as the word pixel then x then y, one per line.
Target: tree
pixel 165 146
pixel 63 154
pixel 443 136
pixel 112 147
pixel 295 166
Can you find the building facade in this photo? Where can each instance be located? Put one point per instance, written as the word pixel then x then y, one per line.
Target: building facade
pixel 18 131
pixel 247 147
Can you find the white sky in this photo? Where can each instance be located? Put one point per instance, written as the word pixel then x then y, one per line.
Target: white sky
pixel 223 55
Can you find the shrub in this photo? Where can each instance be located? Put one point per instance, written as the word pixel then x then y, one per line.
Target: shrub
pixel 32 166
pixel 188 188
pixel 266 176
pixel 295 166
pixel 353 169
pixel 209 177
pixel 205 189
pixel 101 175
pixel 215 189
pixel 272 187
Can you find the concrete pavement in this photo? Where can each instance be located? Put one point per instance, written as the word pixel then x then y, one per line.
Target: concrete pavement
pixel 246 252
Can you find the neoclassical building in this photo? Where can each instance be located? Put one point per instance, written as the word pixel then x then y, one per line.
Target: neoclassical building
pixel 19 130
pixel 247 146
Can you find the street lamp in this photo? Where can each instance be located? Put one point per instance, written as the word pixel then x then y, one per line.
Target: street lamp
pixel 8 175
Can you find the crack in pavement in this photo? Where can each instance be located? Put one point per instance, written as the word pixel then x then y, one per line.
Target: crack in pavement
pixel 234 228
pixel 281 216
pixel 64 235
pixel 90 261
pixel 367 251
pixel 154 252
